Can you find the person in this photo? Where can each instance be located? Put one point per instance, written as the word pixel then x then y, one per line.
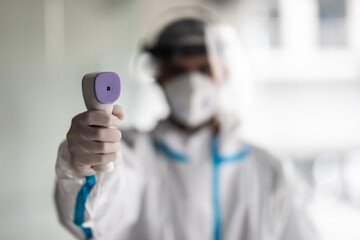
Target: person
pixel 192 177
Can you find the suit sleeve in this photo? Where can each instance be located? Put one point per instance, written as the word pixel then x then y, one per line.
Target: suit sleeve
pixel 284 201
pixel 297 224
pixel 286 204
pixel 102 206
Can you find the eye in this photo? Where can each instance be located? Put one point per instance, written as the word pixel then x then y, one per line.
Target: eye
pixel 176 70
pixel 205 69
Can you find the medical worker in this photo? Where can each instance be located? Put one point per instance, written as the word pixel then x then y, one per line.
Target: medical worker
pixel 191 178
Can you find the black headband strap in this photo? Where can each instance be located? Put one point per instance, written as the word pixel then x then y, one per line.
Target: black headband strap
pixel 178 51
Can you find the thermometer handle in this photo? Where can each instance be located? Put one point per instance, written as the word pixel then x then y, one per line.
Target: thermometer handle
pixel 107 167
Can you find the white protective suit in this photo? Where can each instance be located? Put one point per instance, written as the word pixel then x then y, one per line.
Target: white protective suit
pixel 172 186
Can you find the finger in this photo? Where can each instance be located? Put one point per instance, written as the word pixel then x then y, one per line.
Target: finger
pixel 97 147
pixel 83 169
pixel 117 111
pixel 98 118
pixel 102 134
pixel 97 159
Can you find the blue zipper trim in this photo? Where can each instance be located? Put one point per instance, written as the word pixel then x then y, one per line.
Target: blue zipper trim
pixel 217 161
pixel 242 154
pixel 170 153
pixel 216 203
pixel 80 205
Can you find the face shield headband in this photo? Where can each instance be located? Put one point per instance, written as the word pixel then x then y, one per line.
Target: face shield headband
pixel 166 52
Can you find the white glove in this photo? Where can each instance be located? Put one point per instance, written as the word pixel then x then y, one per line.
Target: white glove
pixel 94 139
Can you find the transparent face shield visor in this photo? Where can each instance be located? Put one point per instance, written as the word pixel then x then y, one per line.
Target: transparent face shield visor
pixel 176 33
pixel 206 37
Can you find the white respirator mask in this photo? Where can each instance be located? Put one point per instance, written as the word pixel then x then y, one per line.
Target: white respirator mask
pixel 192 98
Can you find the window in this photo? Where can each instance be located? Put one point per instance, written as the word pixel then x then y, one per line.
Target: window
pixel 274 23
pixel 332 17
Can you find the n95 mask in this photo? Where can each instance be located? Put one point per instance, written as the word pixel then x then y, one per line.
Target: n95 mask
pixel 192 98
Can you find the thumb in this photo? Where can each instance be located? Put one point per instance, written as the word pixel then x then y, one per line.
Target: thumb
pixel 117 111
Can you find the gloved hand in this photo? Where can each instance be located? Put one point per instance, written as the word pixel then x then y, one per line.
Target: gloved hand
pixel 93 139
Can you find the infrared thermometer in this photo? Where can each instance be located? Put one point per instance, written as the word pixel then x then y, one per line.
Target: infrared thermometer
pixel 100 91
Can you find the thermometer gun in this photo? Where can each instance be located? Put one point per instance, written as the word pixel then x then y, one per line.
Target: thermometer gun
pixel 101 90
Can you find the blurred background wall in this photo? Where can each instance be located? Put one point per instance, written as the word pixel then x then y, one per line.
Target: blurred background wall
pixel 304 58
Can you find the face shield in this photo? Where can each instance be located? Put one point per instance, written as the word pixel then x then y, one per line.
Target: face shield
pixel 179 32
pixel 184 33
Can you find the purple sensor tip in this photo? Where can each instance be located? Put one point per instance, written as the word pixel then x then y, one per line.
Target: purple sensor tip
pixel 107 87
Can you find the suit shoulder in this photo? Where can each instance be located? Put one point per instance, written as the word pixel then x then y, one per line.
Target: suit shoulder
pixel 132 137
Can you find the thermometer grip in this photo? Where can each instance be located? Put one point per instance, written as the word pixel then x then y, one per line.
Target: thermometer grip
pixel 107 167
